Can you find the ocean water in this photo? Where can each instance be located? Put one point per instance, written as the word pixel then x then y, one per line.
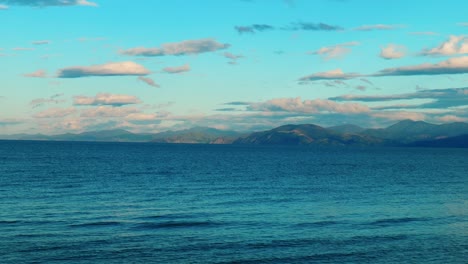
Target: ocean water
pixel 78 202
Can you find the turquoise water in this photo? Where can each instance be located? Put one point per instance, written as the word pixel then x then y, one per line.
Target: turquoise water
pixel 76 202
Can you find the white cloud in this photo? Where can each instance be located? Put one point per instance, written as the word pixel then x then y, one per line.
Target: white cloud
pixel 424 33
pixel 55 113
pixel 336 74
pixel 377 27
pixel 36 74
pixel 22 49
pixel 108 111
pixel 399 115
pixel 41 42
pixel 109 69
pixel 392 51
pixel 187 47
pixel 148 81
pixel 3 7
pixel 106 99
pixel 45 3
pixel 451 66
pixel 336 51
pixel 455 45
pixel 451 118
pixel 463 24
pixel 177 69
pixel 297 105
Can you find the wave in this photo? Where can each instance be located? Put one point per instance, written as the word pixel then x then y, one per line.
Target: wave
pixel 97 224
pixel 395 221
pixel 175 224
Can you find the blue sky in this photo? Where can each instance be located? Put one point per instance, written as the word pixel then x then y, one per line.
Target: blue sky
pixel 149 66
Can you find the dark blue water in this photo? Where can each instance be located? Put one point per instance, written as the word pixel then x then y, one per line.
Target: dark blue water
pixel 71 202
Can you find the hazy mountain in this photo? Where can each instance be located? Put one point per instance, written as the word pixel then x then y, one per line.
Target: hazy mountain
pixel 408 131
pixel 450 142
pixel 308 135
pixel 347 128
pixel 197 135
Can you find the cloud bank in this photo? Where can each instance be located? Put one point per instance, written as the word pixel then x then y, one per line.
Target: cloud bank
pixel 177 69
pixel 109 69
pixel 106 99
pixel 148 81
pixel 392 51
pixel 187 47
pixel 45 3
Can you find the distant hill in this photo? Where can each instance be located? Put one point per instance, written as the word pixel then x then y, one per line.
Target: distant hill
pixel 347 128
pixel 308 135
pixel 197 135
pixel 193 135
pixel 404 133
pixel 408 131
pixel 450 142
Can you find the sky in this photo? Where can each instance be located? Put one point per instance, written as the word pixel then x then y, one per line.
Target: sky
pixel 68 66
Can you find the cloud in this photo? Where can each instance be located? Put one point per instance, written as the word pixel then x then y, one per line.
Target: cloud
pixel 458 65
pixel 392 51
pixel 451 66
pixel 329 75
pixel 424 33
pixel 45 3
pixel 377 27
pixel 109 69
pixel 336 51
pixel 253 28
pixel 9 122
pixel 55 113
pixel 41 42
pixel 307 26
pixel 108 111
pixel 439 98
pixel 142 118
pixel 463 24
pixel 22 49
pixel 232 57
pixel 178 69
pixel 36 74
pixel 3 7
pixel 455 45
pixel 366 81
pixel 148 81
pixel 399 115
pixel 297 105
pixel 451 118
pixel 187 47
pixel 42 101
pixel 106 99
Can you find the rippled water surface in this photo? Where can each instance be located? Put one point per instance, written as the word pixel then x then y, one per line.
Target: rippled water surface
pixel 76 202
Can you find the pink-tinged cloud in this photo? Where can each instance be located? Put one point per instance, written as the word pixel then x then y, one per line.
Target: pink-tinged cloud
pixel 392 51
pixel 46 3
pixel 177 69
pixel 455 45
pixel 451 118
pixel 399 115
pixel 41 42
pixel 457 65
pixel 424 33
pixel 55 113
pixel 109 69
pixel 36 74
pixel 187 47
pixel 148 81
pixel 335 51
pixel 106 99
pixel 108 111
pixel 336 74
pixel 297 105
pixel 377 27
pixel 22 49
pixel 463 24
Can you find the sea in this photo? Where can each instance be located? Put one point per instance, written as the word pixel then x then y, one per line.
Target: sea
pixel 98 202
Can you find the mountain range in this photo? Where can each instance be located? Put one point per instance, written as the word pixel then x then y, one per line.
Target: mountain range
pixel 404 133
